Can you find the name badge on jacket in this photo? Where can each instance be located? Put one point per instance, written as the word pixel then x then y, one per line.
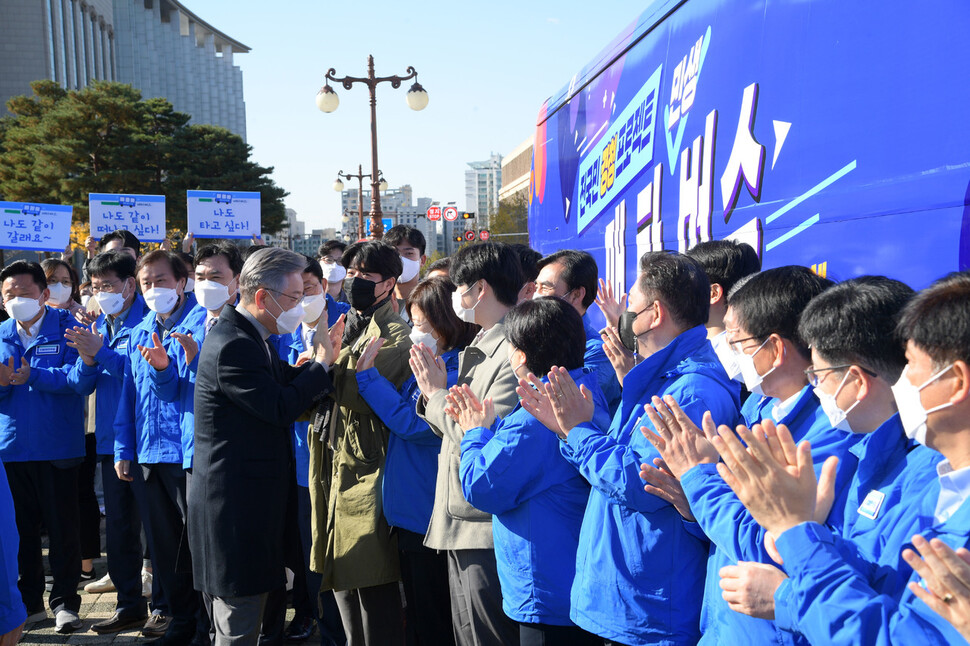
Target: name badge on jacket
pixel 872 504
pixel 50 348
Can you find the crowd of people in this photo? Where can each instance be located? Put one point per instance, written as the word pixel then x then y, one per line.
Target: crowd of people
pixel 462 457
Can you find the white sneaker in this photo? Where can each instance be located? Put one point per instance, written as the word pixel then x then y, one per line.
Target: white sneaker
pixel 100 586
pixel 66 621
pixel 146 583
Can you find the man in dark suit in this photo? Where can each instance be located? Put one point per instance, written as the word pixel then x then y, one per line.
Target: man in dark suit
pixel 246 398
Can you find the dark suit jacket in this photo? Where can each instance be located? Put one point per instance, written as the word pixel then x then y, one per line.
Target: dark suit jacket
pixel 245 402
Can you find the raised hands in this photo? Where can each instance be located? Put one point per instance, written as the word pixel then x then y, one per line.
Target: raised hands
pixel 662 483
pixel 367 357
pixel 772 477
pixel 947 576
pixel 189 345
pixel 532 395
pixel 87 342
pixel 464 407
pixel 678 440
pixel 187 242
pixel 749 588
pixel 429 370
pixel 11 376
pixel 609 304
pixel 621 358
pixel 156 356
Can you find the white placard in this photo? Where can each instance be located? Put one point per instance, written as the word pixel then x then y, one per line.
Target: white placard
pixel 143 215
pixel 223 214
pixel 38 227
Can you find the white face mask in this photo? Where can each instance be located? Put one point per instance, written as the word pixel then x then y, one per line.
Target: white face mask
pixel 60 294
pixel 334 273
pixel 86 301
pixel 838 418
pixel 727 356
pixel 466 314
pixel 211 294
pixel 752 380
pixel 411 269
pixel 111 303
pixel 911 411
pixel 161 300
pixel 22 309
pixel 417 336
pixel 189 285
pixel 314 306
pixel 288 320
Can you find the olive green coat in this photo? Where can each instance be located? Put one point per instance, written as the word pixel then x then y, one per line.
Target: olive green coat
pixel 352 542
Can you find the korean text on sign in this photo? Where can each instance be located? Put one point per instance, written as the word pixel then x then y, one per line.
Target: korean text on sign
pixel 37 227
pixel 223 214
pixel 143 215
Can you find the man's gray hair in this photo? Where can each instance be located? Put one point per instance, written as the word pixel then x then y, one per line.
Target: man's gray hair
pixel 267 269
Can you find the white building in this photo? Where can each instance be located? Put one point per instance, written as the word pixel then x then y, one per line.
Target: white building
pixel 482 184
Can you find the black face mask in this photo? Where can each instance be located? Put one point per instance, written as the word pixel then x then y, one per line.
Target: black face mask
pixel 625 327
pixel 360 292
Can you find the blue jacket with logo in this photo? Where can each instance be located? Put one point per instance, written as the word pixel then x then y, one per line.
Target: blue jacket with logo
pixel 146 427
pixel 412 451
pixel 12 610
pixel 112 358
pixel 885 508
pixel 176 384
pixel 516 472
pixel 734 534
pixel 639 571
pixel 43 419
pixel 596 359
pixel 835 596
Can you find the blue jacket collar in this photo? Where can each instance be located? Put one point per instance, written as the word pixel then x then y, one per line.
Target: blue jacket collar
pixel 148 321
pixel 674 359
pixel 51 328
pixel 591 332
pixel 797 413
pixel 135 315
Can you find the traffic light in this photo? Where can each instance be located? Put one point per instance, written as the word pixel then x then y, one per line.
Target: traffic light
pixel 467 216
pixel 459 238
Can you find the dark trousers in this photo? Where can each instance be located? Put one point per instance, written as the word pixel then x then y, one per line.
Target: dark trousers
pixel 547 635
pixel 160 492
pixel 204 631
pixel 424 573
pixel 274 612
pixel 89 520
pixel 235 621
pixel 122 537
pixel 476 600
pixel 45 493
pixel 323 604
pixel 372 616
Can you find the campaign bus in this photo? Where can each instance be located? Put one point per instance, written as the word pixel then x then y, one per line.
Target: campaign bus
pixel 825 133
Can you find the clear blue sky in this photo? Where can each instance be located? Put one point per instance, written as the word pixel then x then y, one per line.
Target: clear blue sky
pixel 487 67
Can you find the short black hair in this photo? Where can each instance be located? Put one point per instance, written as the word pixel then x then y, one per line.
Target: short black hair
pixel 313 267
pixel 115 261
pixel 495 263
pixel 250 250
pixel 726 261
pixel 22 268
pixel 328 246
pixel 937 320
pixel 549 331
pixel 854 322
pixel 578 270
pixel 772 301
pixel 529 260
pixel 374 257
pixel 128 239
pixel 226 249
pixel 187 258
pixel 404 233
pixel 679 282
pixel 441 264
pixel 175 262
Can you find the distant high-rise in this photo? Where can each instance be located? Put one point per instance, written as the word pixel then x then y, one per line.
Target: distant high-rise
pixel 482 184
pixel 157 46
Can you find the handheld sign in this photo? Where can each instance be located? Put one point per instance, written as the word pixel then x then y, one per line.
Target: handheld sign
pixel 36 227
pixel 143 215
pixel 223 214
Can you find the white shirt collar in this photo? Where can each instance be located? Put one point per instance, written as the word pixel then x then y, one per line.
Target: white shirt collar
pixel 781 410
pixel 27 336
pixel 954 490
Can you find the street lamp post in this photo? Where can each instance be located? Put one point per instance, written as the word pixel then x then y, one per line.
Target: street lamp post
pixel 327 101
pixel 338 186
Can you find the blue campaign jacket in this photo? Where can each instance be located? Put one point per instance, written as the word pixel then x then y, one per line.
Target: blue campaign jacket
pixel 734 534
pixel 44 418
pixel 12 610
pixel 836 597
pixel 334 309
pixel 596 359
pixel 112 358
pixel 537 499
pixel 146 427
pixel 639 572
pixel 412 451
pixel 176 384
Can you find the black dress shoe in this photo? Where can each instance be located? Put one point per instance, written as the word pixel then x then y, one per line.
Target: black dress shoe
pixel 117 623
pixel 300 629
pixel 156 625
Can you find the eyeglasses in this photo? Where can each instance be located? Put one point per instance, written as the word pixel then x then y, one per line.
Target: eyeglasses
pixel 812 374
pixel 736 345
pixel 108 288
pixel 295 299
